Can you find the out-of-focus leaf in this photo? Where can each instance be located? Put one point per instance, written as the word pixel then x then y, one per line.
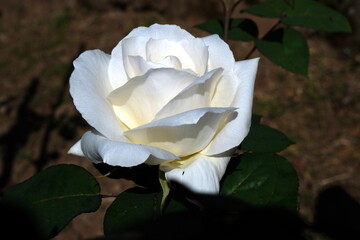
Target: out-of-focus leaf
pixel 270 9
pixel 262 138
pixel 214 26
pixel 131 209
pixel 305 13
pixel 262 179
pixel 312 14
pixel 55 196
pixel 287 48
pixel 240 29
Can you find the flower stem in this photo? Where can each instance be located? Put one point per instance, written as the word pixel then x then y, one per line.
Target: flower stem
pixel 229 7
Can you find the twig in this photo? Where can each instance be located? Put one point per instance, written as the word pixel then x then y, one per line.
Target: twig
pixel 228 11
pixel 108 195
pixel 335 178
pixel 250 52
pixel 254 47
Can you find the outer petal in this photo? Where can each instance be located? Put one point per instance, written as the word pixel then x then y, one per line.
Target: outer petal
pixel 76 149
pixel 202 176
pixel 225 90
pixel 182 134
pixel 116 71
pixel 157 31
pixel 89 87
pixel 220 54
pixel 196 95
pixel 140 99
pixel 99 149
pixel 236 130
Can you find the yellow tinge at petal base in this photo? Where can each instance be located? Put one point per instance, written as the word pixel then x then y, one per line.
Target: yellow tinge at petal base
pixel 183 162
pixel 183 134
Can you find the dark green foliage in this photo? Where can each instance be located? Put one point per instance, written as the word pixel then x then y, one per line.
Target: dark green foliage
pixel 55 196
pixel 283 45
pixel 304 13
pixel 287 48
pixel 240 29
pixel 262 138
pixel 262 179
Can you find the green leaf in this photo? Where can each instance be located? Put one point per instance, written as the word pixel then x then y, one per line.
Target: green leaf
pixel 240 29
pixel 262 179
pixel 312 14
pixel 174 206
pixel 55 196
pixel 262 138
pixel 214 26
pixel 286 47
pixel 305 13
pixel 130 209
pixel 270 9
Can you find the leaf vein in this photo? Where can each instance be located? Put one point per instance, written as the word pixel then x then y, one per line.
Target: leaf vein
pixel 65 197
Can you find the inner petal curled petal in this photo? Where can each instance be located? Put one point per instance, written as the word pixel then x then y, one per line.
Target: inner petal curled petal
pixel 137 102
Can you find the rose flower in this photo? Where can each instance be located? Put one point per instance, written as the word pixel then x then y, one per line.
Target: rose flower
pixel 164 97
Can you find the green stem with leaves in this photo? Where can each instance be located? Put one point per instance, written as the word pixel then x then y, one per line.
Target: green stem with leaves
pixel 229 7
pixel 254 47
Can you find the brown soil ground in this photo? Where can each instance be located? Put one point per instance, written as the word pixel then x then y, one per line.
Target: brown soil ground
pixel 39 40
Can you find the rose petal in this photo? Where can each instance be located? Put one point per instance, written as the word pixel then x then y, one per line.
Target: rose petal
pixel 220 55
pixel 137 102
pixel 99 149
pixel 202 175
pixel 76 149
pixel 199 54
pixel 157 31
pixel 171 62
pixel 140 66
pixel 225 90
pixel 134 46
pixel 182 134
pixel 196 95
pixel 192 53
pixel 89 87
pixel 116 70
pixel 235 131
pixel 117 73
pixel 119 70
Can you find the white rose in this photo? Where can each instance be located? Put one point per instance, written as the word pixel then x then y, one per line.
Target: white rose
pixel 164 97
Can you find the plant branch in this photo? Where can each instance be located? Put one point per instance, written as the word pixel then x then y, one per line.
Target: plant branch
pixel 250 52
pixel 229 7
pixel 108 195
pixel 254 47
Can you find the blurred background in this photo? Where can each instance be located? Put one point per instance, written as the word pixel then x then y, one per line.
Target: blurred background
pixel 39 39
